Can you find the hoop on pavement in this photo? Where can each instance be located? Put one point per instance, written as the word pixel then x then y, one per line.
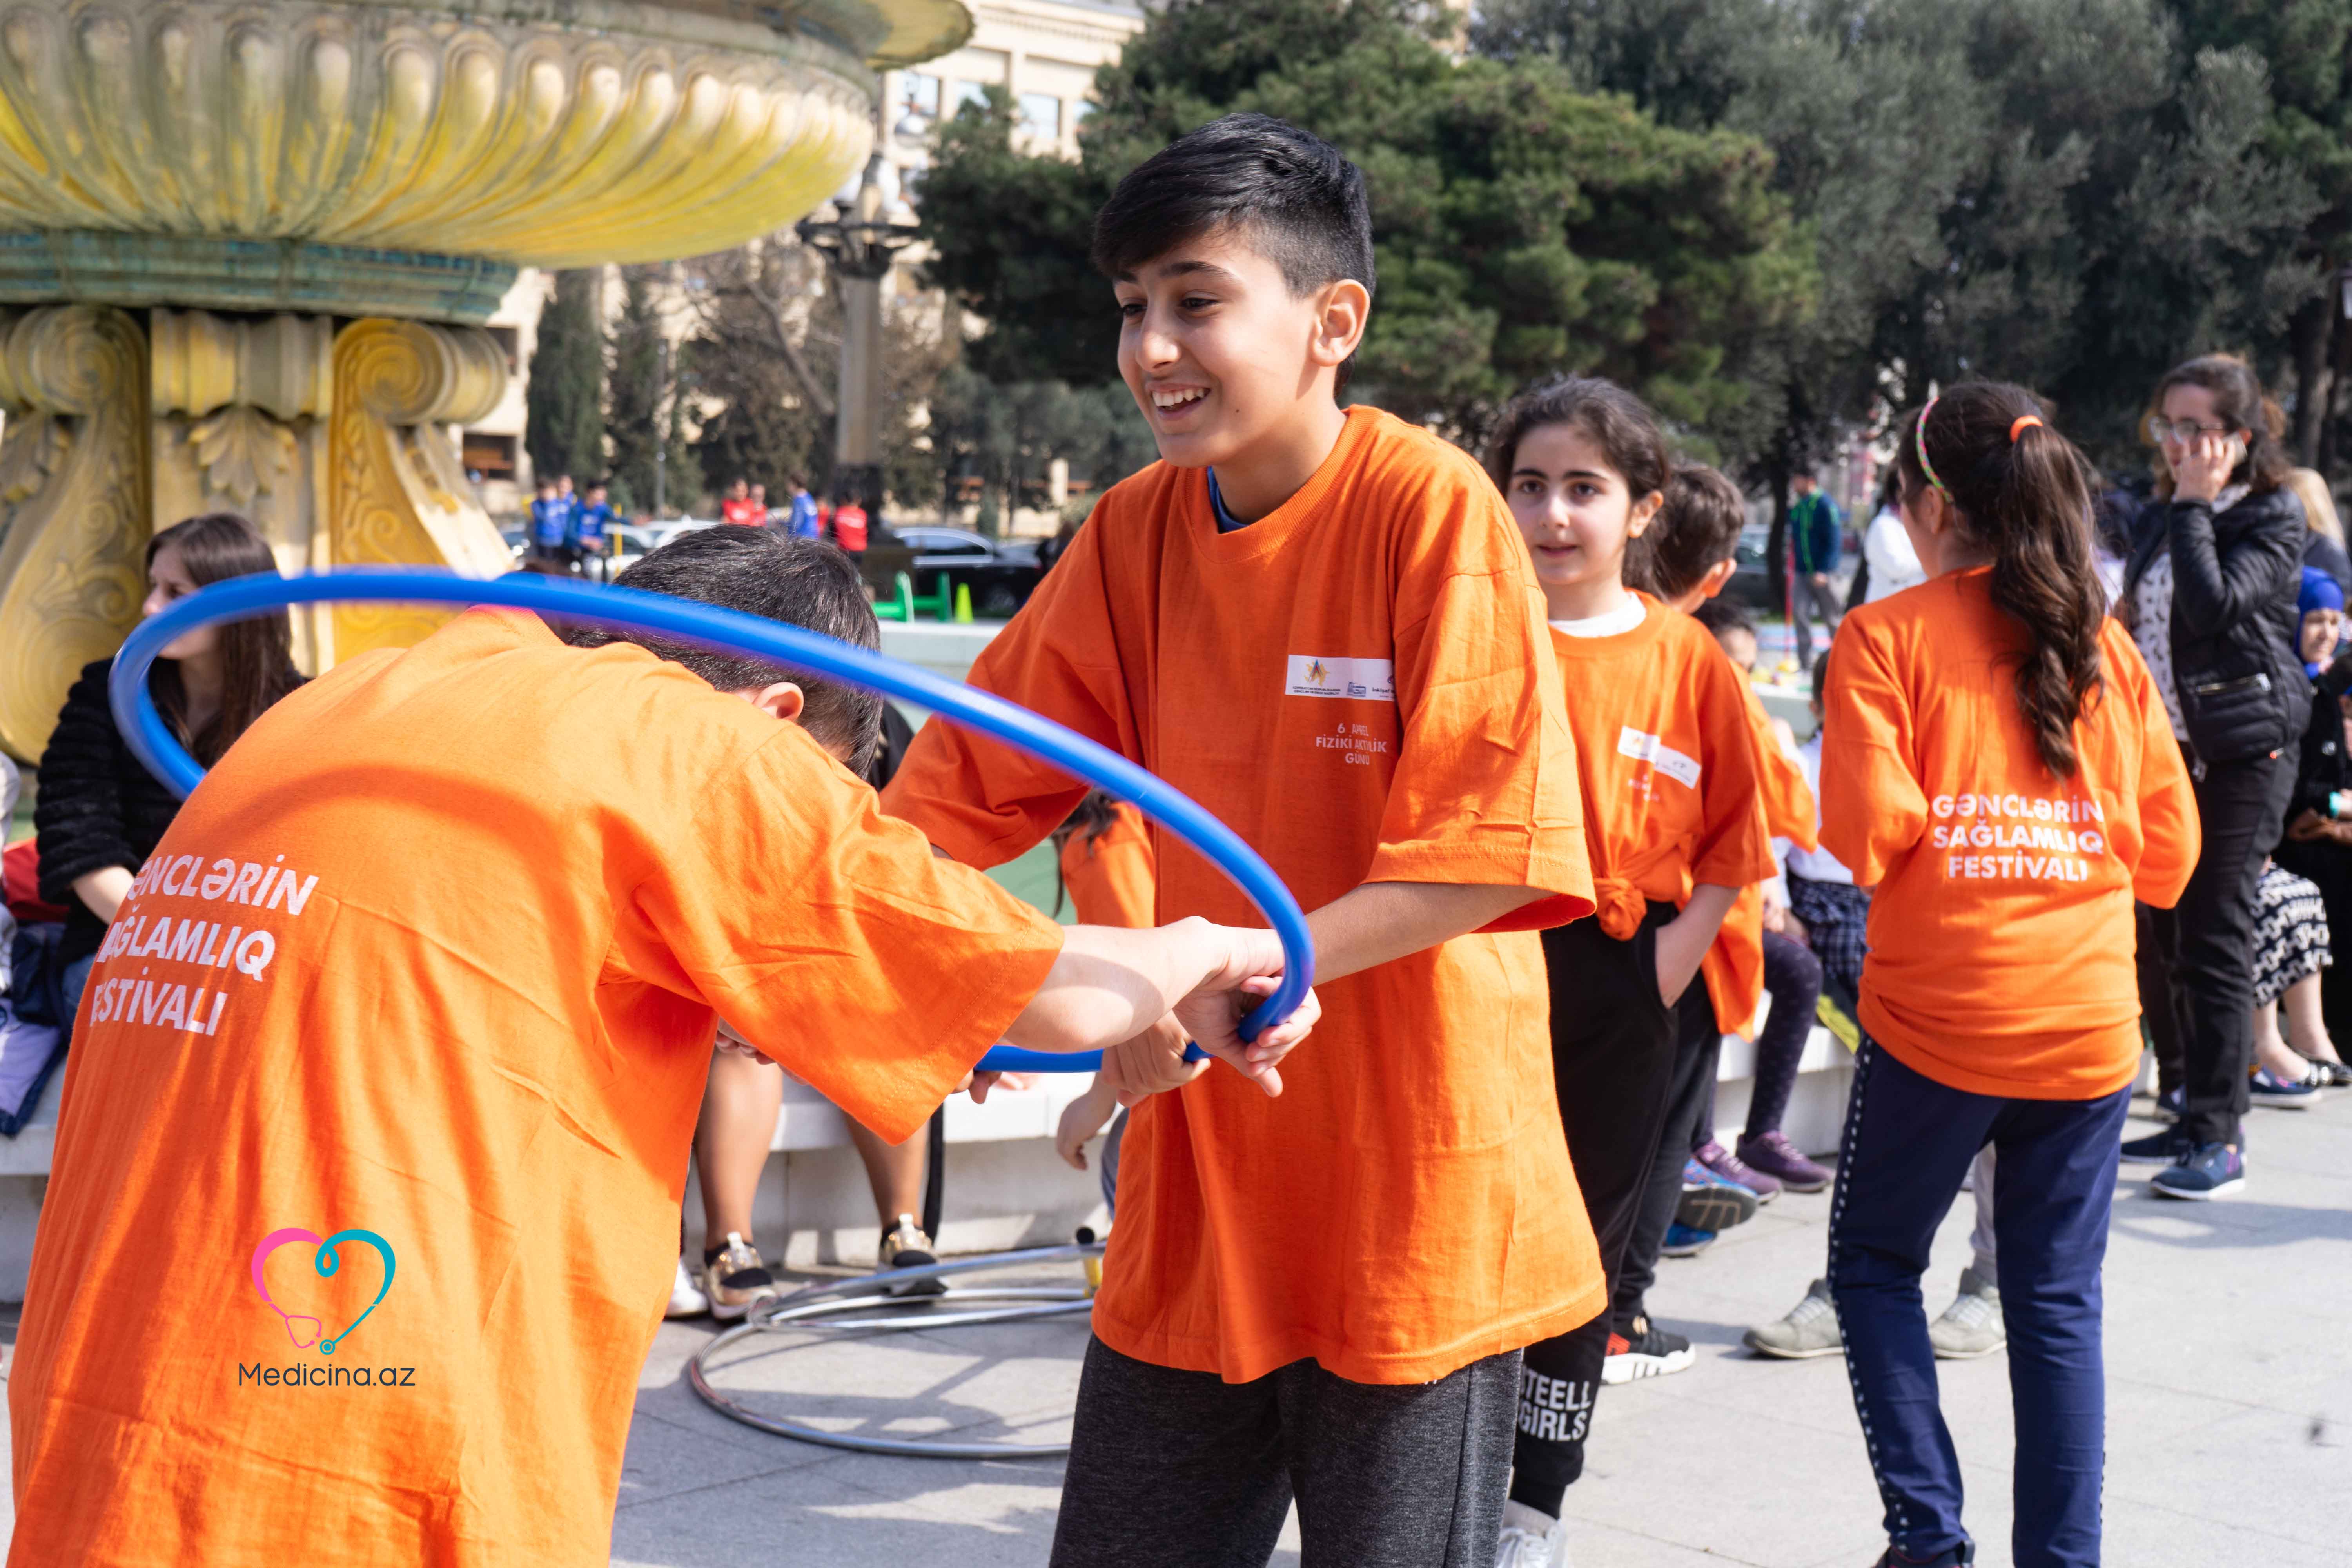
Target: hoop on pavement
pixel 707 626
pixel 810 1310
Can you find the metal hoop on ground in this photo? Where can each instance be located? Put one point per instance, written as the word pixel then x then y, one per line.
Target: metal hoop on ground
pixel 809 1309
pixel 707 626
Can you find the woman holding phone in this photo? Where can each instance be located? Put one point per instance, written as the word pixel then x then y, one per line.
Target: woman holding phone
pixel 2210 597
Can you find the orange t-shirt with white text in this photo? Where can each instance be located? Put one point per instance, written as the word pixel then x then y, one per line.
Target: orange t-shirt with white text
pixel 436 954
pixel 1113 878
pixel 1355 685
pixel 2002 935
pixel 1733 965
pixel 1668 761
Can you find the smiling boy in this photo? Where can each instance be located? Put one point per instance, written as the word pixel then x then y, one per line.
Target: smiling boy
pixel 1322 624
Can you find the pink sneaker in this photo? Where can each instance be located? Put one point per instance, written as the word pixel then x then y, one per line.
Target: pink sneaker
pixel 1731 1168
pixel 1775 1156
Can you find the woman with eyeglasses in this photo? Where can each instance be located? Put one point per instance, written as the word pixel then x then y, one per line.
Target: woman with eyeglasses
pixel 2209 597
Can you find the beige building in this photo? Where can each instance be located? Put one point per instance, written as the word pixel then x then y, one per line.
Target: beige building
pixel 1043 53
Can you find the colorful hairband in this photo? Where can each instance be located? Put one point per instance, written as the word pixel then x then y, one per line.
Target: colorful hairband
pixel 1920 442
pixel 2019 426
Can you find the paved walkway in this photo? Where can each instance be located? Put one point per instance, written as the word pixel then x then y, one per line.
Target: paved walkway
pixel 2229 1411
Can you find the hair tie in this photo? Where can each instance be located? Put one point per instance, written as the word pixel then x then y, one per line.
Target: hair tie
pixel 1919 443
pixel 2018 425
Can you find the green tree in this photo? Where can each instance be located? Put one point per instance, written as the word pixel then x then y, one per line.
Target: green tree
pixel 1520 225
pixel 651 458
pixel 1006 435
pixel 563 428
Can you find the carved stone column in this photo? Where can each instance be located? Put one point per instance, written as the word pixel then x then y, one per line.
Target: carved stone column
pixel 240 425
pixel 73 504
pixel 398 492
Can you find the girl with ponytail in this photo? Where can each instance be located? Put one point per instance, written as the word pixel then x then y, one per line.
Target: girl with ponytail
pixel 1997 761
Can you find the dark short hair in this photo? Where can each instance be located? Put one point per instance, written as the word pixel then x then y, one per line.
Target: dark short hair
pixel 796 582
pixel 1697 531
pixel 1297 198
pixel 1720 615
pixel 1820 675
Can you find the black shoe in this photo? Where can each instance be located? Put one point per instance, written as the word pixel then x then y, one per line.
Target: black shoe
pixel 2156 1149
pixel 1959 1556
pixel 908 1247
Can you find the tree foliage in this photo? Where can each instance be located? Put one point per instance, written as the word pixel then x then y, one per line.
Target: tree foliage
pixel 564 427
pixel 640 417
pixel 1520 225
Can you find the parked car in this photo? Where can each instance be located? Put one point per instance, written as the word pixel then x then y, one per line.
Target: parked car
pixel 1001 575
pixel 1751 583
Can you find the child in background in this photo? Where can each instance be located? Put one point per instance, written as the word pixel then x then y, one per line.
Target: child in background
pixel 1320 625
pixel 1667 763
pixel 1997 761
pixel 1111 873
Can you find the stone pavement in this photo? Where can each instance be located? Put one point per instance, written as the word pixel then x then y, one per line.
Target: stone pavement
pixel 2229 1411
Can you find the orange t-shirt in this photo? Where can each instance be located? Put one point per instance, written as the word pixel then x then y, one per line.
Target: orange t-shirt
pixel 2001 941
pixel 436 954
pixel 1733 965
pixel 1355 684
pixel 1668 762
pixel 1112 878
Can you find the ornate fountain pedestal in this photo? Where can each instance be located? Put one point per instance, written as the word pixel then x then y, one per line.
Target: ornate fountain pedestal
pixel 246 245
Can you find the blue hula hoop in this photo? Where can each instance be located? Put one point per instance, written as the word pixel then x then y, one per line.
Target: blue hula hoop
pixel 706 625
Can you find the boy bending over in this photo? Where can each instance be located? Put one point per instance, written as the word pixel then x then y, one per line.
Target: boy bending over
pixel 376 1122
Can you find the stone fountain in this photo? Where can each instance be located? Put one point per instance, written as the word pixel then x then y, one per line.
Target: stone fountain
pixel 245 247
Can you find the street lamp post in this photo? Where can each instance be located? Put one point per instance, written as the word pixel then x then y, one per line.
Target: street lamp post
pixel 859 243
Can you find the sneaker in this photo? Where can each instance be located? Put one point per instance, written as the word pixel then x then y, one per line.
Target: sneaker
pixel 2268 1088
pixel 1686 1240
pixel 1972 1325
pixel 734 1278
pixel 1775 1156
pixel 1710 1203
pixel 686 1298
pixel 2169 1105
pixel 2156 1149
pixel 1531 1539
pixel 1651 1353
pixel 2207 1170
pixel 1958 1556
pixel 1733 1169
pixel 1810 1330
pixel 908 1247
pixel 2331 1075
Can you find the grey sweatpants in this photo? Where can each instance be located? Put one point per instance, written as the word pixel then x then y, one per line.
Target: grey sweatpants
pixel 1181 1469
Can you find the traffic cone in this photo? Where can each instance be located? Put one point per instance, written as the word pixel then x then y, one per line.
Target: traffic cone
pixel 963 604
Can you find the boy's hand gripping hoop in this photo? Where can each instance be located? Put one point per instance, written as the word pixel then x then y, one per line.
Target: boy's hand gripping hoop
pixel 707 626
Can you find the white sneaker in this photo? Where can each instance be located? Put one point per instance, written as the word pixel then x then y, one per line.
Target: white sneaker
pixel 686 1298
pixel 1972 1325
pixel 1532 1539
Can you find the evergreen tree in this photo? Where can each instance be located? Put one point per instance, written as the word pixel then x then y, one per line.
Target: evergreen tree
pixel 638 417
pixel 564 403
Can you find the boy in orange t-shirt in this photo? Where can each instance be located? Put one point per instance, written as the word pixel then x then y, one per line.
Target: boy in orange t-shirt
pixel 375 1127
pixel 1998 763
pixel 1321 625
pixel 1667 766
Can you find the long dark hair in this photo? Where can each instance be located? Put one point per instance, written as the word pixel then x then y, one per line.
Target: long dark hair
pixel 2239 403
pixel 1618 421
pixel 257 656
pixel 2022 493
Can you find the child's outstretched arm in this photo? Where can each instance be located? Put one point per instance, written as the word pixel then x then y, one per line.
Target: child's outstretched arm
pixel 1378 922
pixel 1082 1119
pixel 1108 985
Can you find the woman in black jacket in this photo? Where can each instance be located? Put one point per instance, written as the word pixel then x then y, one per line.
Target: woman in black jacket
pixel 2210 597
pixel 100 814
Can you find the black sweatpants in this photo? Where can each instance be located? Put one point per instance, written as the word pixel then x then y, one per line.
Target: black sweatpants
pixel 2162 1005
pixel 1612 1050
pixel 2241 806
pixel 1698 1047
pixel 1181 1469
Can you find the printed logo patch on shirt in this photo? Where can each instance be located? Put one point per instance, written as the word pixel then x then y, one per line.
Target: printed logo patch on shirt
pixel 1646 748
pixel 1372 679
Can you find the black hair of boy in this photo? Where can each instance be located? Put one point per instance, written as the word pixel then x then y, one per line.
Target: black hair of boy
pixel 1697 531
pixel 1719 616
pixel 797 581
pixel 1297 198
